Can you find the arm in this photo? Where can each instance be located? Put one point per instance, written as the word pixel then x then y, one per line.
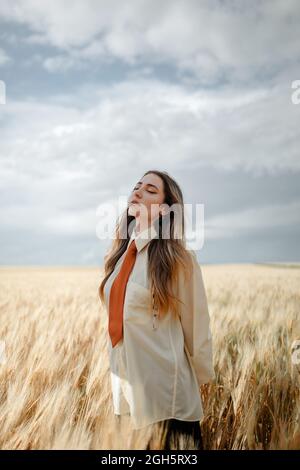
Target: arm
pixel 195 321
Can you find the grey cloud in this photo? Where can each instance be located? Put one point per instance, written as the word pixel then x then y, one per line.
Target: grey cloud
pixel 200 89
pixel 213 40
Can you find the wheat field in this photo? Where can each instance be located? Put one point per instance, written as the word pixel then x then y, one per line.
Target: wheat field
pixel 55 385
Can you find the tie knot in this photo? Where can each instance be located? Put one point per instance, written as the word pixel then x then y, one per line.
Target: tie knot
pixel 132 247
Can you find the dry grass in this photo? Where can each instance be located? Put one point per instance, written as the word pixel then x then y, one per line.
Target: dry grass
pixel 55 385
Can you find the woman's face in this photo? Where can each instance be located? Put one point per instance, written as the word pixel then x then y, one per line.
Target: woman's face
pixel 146 192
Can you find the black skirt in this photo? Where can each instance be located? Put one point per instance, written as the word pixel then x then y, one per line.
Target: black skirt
pixel 176 435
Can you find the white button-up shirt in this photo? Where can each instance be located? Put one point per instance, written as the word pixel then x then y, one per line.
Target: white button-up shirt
pixel 158 366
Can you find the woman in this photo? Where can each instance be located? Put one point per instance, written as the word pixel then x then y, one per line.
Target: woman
pixel 160 344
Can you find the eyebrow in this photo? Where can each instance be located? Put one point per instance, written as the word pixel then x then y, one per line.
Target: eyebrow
pixel 148 184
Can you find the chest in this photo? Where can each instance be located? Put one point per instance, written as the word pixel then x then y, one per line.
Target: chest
pixel 138 302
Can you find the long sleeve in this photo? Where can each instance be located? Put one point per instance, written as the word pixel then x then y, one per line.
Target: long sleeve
pixel 195 321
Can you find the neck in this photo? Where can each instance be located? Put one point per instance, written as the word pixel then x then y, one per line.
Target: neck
pixel 142 225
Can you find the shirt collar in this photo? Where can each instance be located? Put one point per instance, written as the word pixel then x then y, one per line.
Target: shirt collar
pixel 143 238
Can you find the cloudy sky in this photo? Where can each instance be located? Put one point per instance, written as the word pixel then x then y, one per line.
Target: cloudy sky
pixel 99 92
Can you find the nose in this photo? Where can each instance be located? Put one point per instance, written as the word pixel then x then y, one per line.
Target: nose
pixel 137 193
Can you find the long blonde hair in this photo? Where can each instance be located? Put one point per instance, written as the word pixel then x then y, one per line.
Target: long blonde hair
pixel 165 255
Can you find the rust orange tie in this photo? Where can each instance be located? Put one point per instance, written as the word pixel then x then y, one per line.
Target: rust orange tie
pixel 117 295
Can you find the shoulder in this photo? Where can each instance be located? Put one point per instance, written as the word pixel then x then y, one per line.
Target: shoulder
pixel 192 253
pixel 188 266
pixel 192 258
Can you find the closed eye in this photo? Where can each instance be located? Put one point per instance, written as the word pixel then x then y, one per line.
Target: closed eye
pixel 151 192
